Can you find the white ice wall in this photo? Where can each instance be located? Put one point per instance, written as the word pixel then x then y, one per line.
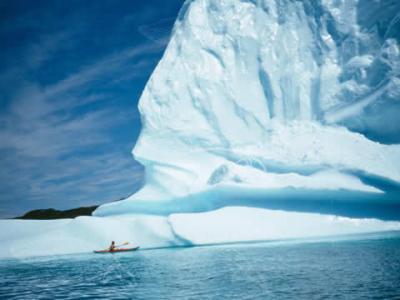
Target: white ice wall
pixel 25 238
pixel 254 93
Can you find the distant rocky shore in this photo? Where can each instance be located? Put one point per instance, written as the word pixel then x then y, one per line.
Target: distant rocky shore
pixel 50 214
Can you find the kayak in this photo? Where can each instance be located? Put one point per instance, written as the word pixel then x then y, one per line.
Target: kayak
pixel 117 250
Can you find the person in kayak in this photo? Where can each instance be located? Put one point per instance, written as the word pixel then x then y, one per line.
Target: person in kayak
pixel 112 247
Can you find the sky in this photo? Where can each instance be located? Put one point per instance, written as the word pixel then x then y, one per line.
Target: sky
pixel 71 75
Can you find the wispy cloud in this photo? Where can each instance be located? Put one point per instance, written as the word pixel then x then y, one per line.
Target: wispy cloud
pixel 68 116
pixel 102 68
pixel 158 31
pixel 44 48
pixel 46 136
pixel 32 118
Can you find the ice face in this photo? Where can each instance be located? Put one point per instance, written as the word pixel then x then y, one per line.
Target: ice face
pixel 272 96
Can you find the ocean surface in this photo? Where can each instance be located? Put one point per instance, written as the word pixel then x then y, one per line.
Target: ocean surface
pixel 357 267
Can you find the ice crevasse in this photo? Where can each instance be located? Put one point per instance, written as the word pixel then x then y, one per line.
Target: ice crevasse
pixel 264 120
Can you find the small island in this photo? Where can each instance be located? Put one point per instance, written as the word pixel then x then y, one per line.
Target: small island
pixel 51 213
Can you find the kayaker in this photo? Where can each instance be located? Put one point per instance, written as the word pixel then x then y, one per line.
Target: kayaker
pixel 112 247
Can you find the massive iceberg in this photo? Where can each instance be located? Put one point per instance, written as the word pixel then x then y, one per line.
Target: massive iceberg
pixel 264 120
pixel 274 103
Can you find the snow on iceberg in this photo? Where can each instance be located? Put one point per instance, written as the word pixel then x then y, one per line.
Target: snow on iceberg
pixel 274 95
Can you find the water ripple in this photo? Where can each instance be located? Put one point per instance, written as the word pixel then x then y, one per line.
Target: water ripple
pixel 358 269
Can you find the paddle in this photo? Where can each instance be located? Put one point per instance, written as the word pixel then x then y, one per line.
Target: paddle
pixel 124 244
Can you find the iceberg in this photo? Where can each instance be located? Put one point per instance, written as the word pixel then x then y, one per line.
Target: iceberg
pixel 264 120
pixel 293 100
pixel 26 238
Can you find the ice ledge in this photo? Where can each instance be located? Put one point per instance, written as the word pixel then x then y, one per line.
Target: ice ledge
pixel 341 202
pixel 231 224
pixel 328 161
pixel 24 238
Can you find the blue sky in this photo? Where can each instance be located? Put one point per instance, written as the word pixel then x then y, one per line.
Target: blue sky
pixel 71 74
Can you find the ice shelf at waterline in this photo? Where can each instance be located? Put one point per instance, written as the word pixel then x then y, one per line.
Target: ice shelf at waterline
pixel 82 235
pixel 273 95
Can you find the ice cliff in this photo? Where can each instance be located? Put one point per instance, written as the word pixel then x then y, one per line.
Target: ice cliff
pixel 277 103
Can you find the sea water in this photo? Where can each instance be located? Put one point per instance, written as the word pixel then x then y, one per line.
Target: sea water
pixel 363 267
